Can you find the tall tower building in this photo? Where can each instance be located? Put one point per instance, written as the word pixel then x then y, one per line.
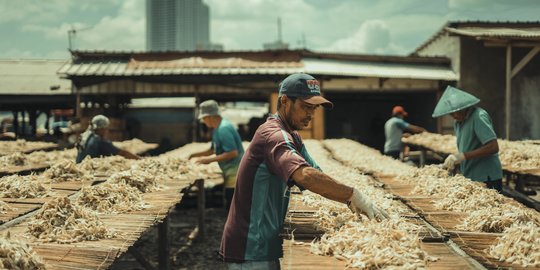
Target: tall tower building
pixel 182 25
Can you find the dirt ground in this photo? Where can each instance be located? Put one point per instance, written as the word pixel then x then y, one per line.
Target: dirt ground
pixel 184 253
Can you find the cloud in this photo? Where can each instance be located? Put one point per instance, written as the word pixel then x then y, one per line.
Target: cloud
pixel 124 31
pixel 372 37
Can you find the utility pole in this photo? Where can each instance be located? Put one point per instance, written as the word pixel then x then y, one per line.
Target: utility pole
pixel 72 33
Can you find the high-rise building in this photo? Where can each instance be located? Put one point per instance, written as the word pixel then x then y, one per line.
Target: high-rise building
pixel 177 25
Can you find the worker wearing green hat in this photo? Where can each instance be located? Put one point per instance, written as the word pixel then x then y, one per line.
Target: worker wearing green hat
pixel 476 140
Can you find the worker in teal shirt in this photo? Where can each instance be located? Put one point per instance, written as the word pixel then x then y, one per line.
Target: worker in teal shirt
pixel 226 145
pixel 476 140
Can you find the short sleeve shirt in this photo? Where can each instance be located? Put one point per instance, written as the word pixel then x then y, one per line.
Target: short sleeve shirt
pixel 475 131
pixel 261 197
pixel 97 147
pixel 393 131
pixel 225 138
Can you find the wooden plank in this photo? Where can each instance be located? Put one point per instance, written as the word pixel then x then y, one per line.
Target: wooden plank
pixel 297 256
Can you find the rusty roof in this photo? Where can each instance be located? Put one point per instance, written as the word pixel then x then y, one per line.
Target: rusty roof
pixel 125 64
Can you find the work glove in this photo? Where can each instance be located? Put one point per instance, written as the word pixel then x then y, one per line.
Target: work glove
pixel 452 160
pixel 359 203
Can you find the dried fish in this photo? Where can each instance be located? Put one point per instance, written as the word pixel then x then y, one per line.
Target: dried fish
pixel 15 159
pixel 104 165
pixel 4 207
pixel 519 245
pixel 62 221
pixel 111 198
pixel 143 181
pixel 65 170
pixel 18 255
pixel 28 186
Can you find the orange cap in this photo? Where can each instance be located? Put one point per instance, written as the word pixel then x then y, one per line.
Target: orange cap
pixel 399 110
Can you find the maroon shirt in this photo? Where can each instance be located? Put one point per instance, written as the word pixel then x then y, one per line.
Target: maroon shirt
pixel 261 196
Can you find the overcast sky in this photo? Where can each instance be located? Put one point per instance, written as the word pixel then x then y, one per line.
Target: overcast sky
pixel 38 28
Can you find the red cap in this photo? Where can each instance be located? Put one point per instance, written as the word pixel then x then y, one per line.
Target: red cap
pixel 399 110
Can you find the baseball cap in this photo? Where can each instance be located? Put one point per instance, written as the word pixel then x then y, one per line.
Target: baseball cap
pixel 208 108
pixel 305 87
pixel 399 110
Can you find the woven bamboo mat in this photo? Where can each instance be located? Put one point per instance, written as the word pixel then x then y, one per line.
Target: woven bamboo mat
pixel 102 253
pixel 17 210
pixel 298 257
pixel 446 257
pixel 25 169
pixel 55 193
pixel 59 257
pixel 475 245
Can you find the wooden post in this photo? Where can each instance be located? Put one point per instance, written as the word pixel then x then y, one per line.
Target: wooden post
pixel 201 204
pixel 164 245
pixel 422 160
pixel 508 92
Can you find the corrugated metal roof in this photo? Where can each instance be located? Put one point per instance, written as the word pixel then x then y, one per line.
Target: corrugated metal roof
pixel 374 69
pixel 497 32
pixel 239 66
pixel 497 29
pixel 32 77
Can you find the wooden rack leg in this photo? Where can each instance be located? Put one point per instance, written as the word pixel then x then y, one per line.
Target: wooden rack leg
pixel 201 204
pixel 164 245
pixel 422 157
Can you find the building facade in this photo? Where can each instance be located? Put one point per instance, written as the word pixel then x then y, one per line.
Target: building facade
pixel 177 25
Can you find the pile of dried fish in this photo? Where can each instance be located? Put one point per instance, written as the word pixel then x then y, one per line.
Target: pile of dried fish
pixel 520 245
pixel 15 159
pixel 65 170
pixel 135 146
pixel 62 221
pixel 104 165
pixel 497 219
pixel 10 147
pixel 21 187
pixel 488 211
pixel 437 142
pixel 111 198
pixel 15 254
pixel 372 245
pixel 51 157
pixel 143 181
pixel 519 155
pixel 363 243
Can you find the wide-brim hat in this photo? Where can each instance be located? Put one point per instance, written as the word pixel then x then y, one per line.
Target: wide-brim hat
pixel 208 108
pixel 454 100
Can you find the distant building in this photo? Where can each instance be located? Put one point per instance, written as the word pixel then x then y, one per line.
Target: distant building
pixel 177 25
pixel 498 62
pixel 276 45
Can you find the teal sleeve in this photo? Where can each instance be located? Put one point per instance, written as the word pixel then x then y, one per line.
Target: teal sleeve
pixel 483 128
pixel 226 138
pixel 309 160
pixel 402 124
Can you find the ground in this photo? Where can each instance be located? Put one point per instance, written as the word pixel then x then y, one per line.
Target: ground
pixel 184 253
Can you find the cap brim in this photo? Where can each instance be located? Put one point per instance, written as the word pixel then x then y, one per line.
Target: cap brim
pixel 318 100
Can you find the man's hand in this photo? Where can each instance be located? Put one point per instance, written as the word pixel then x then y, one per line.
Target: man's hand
pixel 359 203
pixel 203 160
pixel 452 160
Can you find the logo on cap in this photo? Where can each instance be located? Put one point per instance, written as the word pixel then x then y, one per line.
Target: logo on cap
pixel 313 86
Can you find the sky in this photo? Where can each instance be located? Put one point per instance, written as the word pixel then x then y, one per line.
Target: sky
pixel 38 28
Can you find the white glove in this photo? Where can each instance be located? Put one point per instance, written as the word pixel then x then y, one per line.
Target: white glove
pixel 359 203
pixel 452 160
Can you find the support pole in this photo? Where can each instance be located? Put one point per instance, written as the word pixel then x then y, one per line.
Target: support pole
pixel 164 245
pixel 422 160
pixel 201 202
pixel 508 92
